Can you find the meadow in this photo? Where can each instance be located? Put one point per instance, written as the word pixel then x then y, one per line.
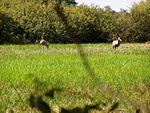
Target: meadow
pixel 32 69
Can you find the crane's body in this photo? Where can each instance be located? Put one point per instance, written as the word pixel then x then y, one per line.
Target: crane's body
pixel 44 43
pixel 116 43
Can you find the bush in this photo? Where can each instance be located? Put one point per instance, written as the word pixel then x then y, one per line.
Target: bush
pixel 24 21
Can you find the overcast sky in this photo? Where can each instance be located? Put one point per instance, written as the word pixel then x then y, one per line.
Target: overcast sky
pixel 114 4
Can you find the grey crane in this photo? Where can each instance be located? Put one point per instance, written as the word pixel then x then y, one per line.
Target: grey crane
pixel 116 43
pixel 44 43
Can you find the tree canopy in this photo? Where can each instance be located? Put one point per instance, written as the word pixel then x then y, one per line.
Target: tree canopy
pixel 24 21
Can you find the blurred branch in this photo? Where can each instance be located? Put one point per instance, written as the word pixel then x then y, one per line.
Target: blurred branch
pixel 101 85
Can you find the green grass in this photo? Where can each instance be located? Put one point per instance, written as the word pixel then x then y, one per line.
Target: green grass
pixel 26 69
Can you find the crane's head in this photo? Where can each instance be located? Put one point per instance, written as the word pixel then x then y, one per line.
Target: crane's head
pixel 119 39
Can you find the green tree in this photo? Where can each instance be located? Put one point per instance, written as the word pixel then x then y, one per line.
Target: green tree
pixel 140 24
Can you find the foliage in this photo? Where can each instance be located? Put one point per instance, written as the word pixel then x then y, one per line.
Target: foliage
pixel 6 28
pixel 139 22
pixel 24 21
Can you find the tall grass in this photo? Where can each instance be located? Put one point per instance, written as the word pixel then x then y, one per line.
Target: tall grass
pixel 61 66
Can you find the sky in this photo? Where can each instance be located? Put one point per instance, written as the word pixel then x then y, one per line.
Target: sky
pixel 114 4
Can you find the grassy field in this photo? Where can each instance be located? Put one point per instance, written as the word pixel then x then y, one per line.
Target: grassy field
pixel 30 69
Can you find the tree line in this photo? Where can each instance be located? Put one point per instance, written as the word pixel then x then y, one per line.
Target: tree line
pixel 25 21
